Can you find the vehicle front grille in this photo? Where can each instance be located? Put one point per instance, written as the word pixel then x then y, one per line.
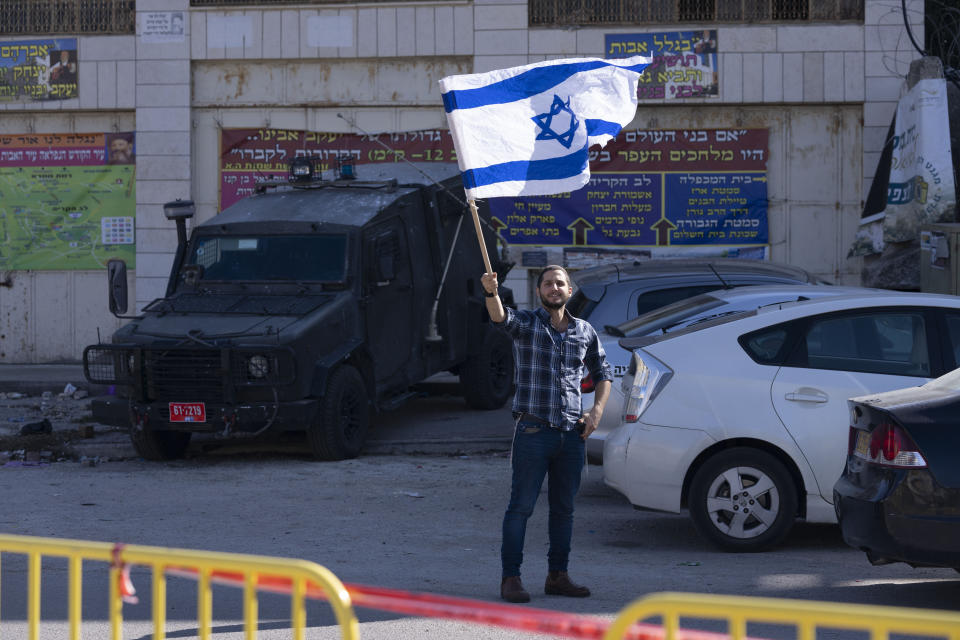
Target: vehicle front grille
pixel 185 374
pixel 189 374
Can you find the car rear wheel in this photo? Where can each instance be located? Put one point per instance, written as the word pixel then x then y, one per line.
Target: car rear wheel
pixel 486 378
pixel 160 445
pixel 341 426
pixel 743 499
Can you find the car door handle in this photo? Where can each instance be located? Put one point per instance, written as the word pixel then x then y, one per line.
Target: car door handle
pixel 807 396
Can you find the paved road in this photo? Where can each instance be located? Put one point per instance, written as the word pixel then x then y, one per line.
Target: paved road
pixel 418 521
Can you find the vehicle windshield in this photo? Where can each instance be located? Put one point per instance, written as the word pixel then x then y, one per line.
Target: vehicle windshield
pixel 663 318
pixel 300 258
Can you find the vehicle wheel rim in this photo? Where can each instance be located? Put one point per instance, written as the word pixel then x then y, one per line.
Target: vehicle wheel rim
pixel 743 502
pixel 350 407
pixel 499 371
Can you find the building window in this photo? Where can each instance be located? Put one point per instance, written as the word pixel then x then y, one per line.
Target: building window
pixel 47 17
pixel 546 13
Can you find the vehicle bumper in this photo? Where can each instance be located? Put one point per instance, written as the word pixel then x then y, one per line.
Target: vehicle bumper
pixel 609 421
pixel 230 419
pixel 898 523
pixel 648 463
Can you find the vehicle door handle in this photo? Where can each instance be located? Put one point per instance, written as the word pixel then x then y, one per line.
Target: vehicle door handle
pixel 809 395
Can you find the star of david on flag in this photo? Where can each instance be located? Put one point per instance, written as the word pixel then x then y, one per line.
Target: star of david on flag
pixel 527 130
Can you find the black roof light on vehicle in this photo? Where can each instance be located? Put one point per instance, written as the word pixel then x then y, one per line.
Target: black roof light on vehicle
pixel 301 169
pixel 646 377
pixel 179 209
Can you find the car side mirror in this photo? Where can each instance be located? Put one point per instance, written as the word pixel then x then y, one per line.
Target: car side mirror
pixel 117 286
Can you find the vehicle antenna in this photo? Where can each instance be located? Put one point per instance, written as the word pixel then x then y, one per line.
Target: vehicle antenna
pixel 725 284
pixel 433 334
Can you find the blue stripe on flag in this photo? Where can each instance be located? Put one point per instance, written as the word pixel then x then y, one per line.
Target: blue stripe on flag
pixel 600 127
pixel 558 168
pixel 523 86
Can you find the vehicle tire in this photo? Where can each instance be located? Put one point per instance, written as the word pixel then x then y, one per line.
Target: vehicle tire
pixel 743 499
pixel 154 444
pixel 341 425
pixel 486 378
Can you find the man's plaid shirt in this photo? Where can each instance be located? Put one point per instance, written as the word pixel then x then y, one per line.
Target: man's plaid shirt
pixel 550 365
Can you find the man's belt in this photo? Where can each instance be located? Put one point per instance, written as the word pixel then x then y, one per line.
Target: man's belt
pixel 529 417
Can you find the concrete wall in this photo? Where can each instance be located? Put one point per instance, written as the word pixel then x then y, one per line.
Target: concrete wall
pixel 826 92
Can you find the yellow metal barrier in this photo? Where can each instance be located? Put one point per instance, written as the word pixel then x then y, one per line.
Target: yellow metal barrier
pixel 203 563
pixel 804 615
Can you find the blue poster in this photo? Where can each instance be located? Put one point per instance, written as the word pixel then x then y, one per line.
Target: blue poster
pixel 43 69
pixel 654 188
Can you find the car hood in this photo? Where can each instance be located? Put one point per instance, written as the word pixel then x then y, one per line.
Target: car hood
pixel 232 315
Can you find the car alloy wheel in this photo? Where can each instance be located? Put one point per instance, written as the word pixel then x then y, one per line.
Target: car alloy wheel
pixel 743 499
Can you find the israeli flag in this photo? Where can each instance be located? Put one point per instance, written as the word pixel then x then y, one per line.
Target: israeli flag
pixel 527 130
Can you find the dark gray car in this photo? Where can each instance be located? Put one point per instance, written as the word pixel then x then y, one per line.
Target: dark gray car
pixel 612 294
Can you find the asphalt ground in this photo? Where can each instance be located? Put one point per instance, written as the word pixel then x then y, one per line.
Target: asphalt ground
pixel 435 421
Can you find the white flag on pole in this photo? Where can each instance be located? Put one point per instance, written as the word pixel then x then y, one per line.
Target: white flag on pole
pixel 527 130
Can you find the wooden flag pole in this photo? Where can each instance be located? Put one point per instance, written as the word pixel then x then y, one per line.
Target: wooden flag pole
pixel 483 245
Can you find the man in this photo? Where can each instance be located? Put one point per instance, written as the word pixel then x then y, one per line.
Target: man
pixel 554 351
pixel 121 149
pixel 64 71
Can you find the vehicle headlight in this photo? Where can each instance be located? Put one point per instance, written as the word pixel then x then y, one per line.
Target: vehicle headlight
pixel 258 366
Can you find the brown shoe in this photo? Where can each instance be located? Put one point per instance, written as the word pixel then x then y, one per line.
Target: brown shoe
pixel 511 590
pixel 558 584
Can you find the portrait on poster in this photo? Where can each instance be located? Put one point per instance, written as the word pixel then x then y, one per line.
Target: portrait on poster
pixel 160 27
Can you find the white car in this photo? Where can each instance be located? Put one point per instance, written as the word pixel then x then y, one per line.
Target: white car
pixel 743 419
pixel 679 315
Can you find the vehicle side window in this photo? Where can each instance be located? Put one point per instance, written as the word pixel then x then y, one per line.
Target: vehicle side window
pixel 953 333
pixel 891 342
pixel 655 299
pixel 766 346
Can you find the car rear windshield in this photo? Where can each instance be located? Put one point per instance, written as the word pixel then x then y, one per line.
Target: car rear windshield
pixel 300 258
pixel 661 319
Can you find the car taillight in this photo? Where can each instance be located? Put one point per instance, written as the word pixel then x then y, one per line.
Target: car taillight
pixel 887 445
pixel 644 380
pixel 586 385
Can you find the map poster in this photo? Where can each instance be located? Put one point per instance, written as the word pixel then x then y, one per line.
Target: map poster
pixel 655 188
pixel 250 156
pixel 67 201
pixel 684 62
pixel 34 70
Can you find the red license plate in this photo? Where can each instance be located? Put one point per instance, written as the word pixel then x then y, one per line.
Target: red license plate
pixel 188 412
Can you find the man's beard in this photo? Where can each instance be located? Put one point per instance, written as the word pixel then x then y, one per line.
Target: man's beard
pixel 552 306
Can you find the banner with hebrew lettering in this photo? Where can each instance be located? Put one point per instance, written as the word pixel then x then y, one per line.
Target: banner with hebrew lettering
pixel 654 189
pixel 251 156
pixel 69 200
pixel 36 70
pixel 647 188
pixel 684 62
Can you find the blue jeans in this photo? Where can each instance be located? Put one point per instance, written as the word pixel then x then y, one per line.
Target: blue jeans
pixel 538 451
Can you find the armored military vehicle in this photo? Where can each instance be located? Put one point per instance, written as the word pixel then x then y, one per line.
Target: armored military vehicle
pixel 308 306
